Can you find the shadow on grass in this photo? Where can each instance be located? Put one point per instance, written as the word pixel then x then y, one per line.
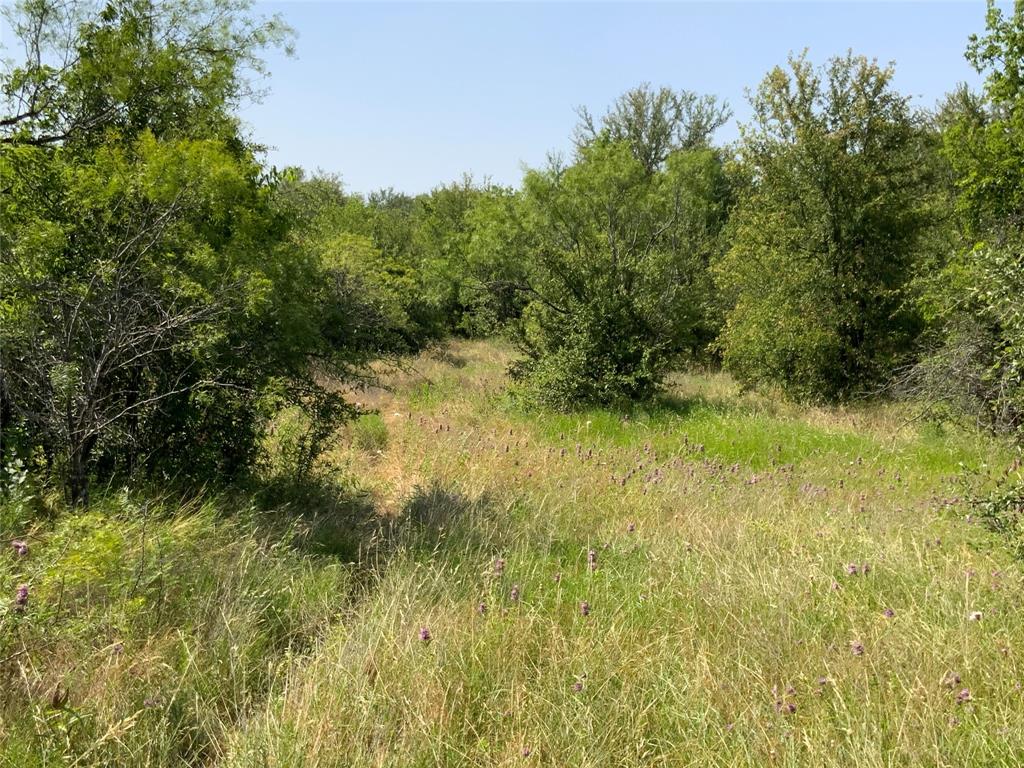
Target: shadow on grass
pixel 330 516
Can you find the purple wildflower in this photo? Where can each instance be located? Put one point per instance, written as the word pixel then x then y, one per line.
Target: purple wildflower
pixel 964 696
pixel 481 608
pixel 514 594
pixel 425 635
pixel 577 686
pixel 888 613
pixel 499 566
pixel 852 569
pixel 631 528
pixel 584 608
pixel 21 596
pixel 20 547
pixel 592 559
pixel 951 679
pixel 857 648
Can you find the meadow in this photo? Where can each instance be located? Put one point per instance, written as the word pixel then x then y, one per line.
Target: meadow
pixel 718 579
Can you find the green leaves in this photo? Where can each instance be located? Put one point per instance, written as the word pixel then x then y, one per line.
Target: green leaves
pixel 832 207
pixel 614 269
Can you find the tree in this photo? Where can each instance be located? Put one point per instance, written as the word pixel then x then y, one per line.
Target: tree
pixel 153 307
pixel 614 262
pixel 655 123
pixel 974 301
pixel 834 174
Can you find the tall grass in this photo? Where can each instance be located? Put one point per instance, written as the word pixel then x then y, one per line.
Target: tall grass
pixel 716 580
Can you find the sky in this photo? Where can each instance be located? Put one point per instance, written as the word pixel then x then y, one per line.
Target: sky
pixel 410 96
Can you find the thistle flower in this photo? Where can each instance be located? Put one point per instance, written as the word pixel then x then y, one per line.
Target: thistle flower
pixel 499 566
pixel 888 613
pixel 21 596
pixel 20 547
pixel 951 679
pixel 857 648
pixel 852 569
pixel 964 696
pixel 425 635
pixel 577 686
pixel 514 594
pixel 584 608
pixel 481 608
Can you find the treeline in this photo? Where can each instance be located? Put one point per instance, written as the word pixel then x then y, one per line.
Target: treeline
pixel 163 293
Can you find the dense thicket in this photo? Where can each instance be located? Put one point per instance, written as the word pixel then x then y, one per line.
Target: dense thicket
pixel 975 298
pixel 153 310
pixel 163 294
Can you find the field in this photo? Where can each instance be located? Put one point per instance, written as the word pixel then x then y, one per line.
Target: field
pixel 721 579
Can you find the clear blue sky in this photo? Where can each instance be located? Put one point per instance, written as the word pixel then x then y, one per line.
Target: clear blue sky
pixel 411 95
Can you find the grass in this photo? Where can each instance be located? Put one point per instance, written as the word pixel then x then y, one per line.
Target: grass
pixel 731 621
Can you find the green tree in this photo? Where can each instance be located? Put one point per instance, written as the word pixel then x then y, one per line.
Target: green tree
pixel 834 177
pixel 153 308
pixel 615 272
pixel 974 301
pixel 655 123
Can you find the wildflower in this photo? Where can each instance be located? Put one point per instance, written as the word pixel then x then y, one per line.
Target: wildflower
pixel 425 635
pixel 584 608
pixel 857 648
pixel 577 686
pixel 117 648
pixel 631 528
pixel 974 616
pixel 499 566
pixel 592 559
pixel 152 702
pixel 526 752
pixel 557 578
pixel 964 696
pixel 852 569
pixel 888 613
pixel 21 596
pixel 20 547
pixel 481 608
pixel 951 679
pixel 514 594
pixel 822 681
